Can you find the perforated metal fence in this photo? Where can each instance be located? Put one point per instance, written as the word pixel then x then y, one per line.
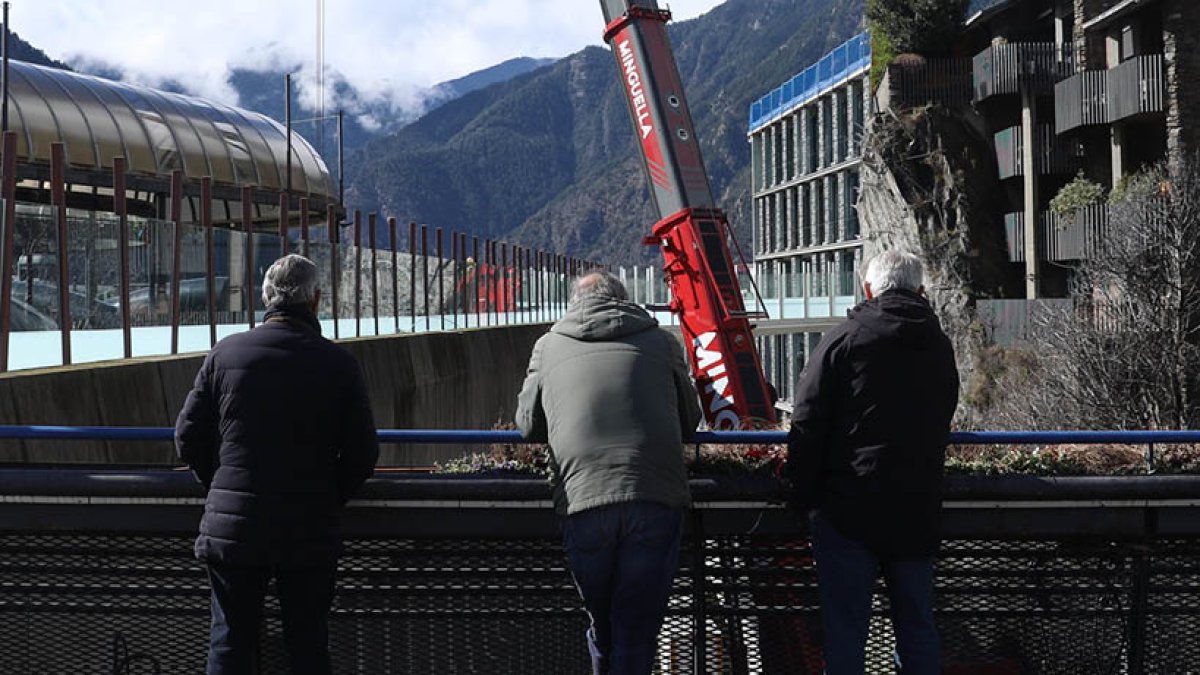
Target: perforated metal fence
pixel 88 603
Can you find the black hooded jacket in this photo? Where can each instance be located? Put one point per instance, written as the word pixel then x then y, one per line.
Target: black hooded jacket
pixel 278 428
pixel 870 424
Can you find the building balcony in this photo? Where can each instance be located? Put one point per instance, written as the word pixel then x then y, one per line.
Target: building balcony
pixel 1053 156
pixel 1060 239
pixel 1007 68
pixel 1105 96
pixel 1136 86
pixel 1081 100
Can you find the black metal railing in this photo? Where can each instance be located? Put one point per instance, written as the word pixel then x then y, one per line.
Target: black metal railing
pixel 1081 100
pixel 1007 68
pixel 1052 156
pixel 1060 238
pixel 1136 86
pixel 462 575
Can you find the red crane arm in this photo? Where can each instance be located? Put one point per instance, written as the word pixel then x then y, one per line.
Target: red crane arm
pixel 692 233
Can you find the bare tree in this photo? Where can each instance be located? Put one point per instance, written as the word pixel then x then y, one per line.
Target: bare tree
pixel 1126 353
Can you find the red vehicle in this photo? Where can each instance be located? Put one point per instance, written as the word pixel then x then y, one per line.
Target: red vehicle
pixel 692 232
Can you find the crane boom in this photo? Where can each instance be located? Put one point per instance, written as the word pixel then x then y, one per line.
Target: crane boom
pixel 692 232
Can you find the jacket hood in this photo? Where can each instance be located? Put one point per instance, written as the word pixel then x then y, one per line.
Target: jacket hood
pixel 600 318
pixel 898 314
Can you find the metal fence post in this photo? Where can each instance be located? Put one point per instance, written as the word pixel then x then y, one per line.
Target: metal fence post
pixel 209 256
pixel 395 275
pixel 120 206
pixel 412 275
pixel 248 268
pixel 371 223
pixel 334 266
pixel 58 196
pixel 357 273
pixel 176 255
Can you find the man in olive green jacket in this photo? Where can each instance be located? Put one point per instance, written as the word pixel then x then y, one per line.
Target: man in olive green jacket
pixel 610 392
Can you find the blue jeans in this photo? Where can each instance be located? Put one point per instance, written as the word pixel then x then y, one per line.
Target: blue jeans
pixel 623 558
pixel 846 573
pixel 305 594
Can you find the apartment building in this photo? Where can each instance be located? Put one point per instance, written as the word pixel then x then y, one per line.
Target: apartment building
pixel 806 153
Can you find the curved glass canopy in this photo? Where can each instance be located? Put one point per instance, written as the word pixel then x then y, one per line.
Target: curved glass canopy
pixel 155 131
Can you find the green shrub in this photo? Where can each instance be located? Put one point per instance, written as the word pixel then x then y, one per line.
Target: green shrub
pixel 1076 195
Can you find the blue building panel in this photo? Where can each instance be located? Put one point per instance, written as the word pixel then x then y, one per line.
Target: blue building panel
pixel 847 60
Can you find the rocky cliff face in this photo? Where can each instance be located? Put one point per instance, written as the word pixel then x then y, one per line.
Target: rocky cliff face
pixel 930 186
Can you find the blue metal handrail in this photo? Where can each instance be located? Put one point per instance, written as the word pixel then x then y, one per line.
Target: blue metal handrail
pixel 481 437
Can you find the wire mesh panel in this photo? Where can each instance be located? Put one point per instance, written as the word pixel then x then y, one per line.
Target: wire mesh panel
pixel 73 603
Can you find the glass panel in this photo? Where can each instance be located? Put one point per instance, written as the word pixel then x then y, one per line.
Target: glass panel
pixel 229 250
pixel 34 325
pixel 94 263
pixel 366 279
pixel 320 253
pixel 151 258
pixel 388 305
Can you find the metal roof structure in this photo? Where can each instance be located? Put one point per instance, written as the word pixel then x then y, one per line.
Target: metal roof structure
pixel 156 131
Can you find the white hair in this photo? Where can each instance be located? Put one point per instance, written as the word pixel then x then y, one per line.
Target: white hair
pixel 291 280
pixel 892 270
pixel 598 284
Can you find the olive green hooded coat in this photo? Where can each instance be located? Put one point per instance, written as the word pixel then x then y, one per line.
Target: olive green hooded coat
pixel 609 390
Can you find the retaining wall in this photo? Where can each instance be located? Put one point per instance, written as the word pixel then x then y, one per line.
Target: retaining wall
pixel 462 380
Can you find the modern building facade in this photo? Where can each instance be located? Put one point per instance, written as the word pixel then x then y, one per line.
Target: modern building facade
pixel 806 152
pixel 1098 87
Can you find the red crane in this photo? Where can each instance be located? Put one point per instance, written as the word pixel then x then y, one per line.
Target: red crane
pixel 692 232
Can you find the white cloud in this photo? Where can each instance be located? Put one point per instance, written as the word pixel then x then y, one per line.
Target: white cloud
pixel 390 50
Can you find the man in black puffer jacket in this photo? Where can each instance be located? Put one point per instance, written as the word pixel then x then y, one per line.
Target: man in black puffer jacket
pixel 870 424
pixel 279 430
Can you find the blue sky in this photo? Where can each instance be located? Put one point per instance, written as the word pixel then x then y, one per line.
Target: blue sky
pixel 388 49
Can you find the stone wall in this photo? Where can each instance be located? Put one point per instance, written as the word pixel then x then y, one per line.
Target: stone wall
pixel 930 185
pixel 463 380
pixel 1181 51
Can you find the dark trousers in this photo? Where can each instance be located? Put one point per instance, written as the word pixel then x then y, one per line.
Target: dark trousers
pixel 846 573
pixel 623 558
pixel 305 594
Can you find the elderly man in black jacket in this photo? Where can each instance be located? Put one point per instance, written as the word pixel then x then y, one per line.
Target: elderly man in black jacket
pixel 279 430
pixel 870 424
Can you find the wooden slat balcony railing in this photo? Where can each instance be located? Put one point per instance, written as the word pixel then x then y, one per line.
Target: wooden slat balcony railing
pixel 1059 239
pixel 1075 237
pixel 1053 156
pixel 1005 68
pixel 943 81
pixel 1081 100
pixel 1136 86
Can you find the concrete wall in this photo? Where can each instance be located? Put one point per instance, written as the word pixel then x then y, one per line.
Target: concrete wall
pixel 464 380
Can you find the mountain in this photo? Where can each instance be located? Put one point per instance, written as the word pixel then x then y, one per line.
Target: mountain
pixel 501 72
pixel 365 119
pixel 23 51
pixel 548 158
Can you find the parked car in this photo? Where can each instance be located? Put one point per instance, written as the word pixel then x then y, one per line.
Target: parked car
pixel 25 317
pixel 43 296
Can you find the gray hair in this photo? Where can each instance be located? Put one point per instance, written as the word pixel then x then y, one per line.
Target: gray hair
pixel 291 280
pixel 894 270
pixel 598 284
